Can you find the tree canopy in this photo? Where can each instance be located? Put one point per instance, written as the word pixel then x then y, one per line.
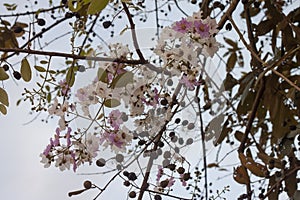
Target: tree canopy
pixel 157 85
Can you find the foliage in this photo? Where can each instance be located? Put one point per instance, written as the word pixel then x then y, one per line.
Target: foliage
pixel 149 106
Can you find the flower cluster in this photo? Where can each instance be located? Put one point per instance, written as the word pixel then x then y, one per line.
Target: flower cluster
pixel 60 110
pixel 182 45
pixel 137 103
pixel 68 150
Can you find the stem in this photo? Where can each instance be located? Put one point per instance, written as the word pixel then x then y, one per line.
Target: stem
pixel 133 33
pixel 203 143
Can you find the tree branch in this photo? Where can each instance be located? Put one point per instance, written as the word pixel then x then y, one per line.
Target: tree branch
pixel 158 137
pixel 229 12
pixel 73 56
pixel 32 12
pixel 252 115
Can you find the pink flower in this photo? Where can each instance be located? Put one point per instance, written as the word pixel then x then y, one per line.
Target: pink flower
pixel 159 173
pixel 171 182
pixel 115 119
pixel 202 29
pixel 74 161
pixel 113 139
pixel 182 180
pixel 82 94
pixel 48 148
pixel 154 100
pixel 68 135
pixel 189 84
pixel 182 26
pixel 56 137
pixel 64 87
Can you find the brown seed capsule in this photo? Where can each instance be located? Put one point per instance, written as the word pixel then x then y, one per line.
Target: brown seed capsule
pixel 132 194
pixel 41 22
pixel 87 184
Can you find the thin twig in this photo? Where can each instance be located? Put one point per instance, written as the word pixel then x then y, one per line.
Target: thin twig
pixel 293 170
pixel 32 12
pixel 36 36
pixel 203 142
pixel 176 3
pixel 133 33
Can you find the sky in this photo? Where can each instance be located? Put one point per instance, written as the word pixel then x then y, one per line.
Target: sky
pixel 23 177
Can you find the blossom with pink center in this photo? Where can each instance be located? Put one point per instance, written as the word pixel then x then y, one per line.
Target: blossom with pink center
pixel 113 139
pixel 182 26
pixel 116 139
pixel 202 29
pixel 115 119
pixel 64 87
pixel 188 83
pixel 82 94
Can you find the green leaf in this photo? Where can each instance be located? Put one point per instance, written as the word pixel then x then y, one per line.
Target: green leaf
pixel 231 43
pixel 4 97
pixel 10 7
pixel 79 4
pixel 25 70
pixel 122 80
pixel 18 102
pixel 111 103
pixel 3 74
pixel 70 77
pixel 44 62
pixel 3 109
pixel 49 97
pixel 96 6
pixel 39 68
pixel 102 75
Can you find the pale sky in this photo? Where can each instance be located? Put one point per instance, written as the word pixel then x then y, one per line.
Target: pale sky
pixel 23 177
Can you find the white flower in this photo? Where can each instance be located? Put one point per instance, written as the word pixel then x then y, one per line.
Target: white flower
pixel 101 89
pixel 62 123
pixel 63 161
pixel 91 143
pixel 58 109
pixel 45 159
pixel 211 48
